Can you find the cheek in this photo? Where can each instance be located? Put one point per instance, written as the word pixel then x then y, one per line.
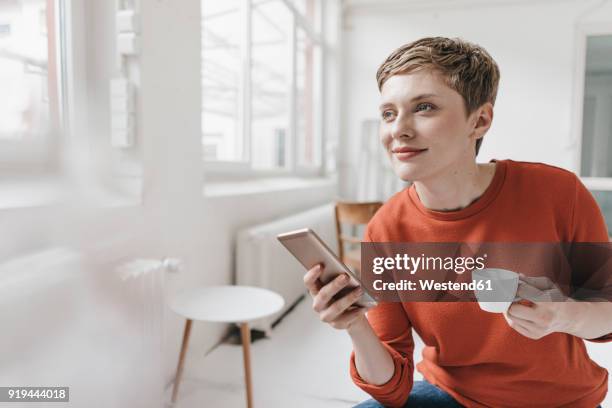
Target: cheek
pixel 385 138
pixel 439 129
pixel 437 126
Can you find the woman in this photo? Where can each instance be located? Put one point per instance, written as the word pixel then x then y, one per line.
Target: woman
pixel 437 104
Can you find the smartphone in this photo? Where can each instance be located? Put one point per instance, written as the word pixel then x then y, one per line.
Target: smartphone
pixel 310 250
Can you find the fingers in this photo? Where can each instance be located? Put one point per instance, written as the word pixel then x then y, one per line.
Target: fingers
pixel 523 322
pixel 525 331
pixel 322 299
pixel 539 282
pixel 525 302
pixel 333 311
pixel 533 294
pixel 338 314
pixel 526 291
pixel 522 312
pixel 311 280
pixel 524 327
pixel 540 317
pixel 553 295
pixel 519 327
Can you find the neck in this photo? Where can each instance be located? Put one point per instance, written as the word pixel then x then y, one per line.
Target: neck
pixel 455 187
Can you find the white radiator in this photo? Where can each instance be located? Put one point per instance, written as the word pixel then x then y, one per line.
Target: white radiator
pixel 263 262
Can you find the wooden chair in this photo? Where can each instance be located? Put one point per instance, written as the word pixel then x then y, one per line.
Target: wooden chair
pixel 352 214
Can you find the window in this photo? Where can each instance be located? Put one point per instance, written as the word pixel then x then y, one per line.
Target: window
pixel 604 200
pixel 30 108
pixel 270 84
pixel 221 80
pixel 596 150
pixel 261 85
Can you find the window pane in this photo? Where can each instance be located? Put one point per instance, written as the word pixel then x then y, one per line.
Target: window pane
pixel 308 100
pixel 24 100
pixel 597 106
pixel 221 79
pixel 271 81
pixel 311 10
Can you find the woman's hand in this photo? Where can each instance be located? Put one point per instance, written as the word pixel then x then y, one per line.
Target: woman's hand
pixel 335 312
pixel 548 309
pixel 373 360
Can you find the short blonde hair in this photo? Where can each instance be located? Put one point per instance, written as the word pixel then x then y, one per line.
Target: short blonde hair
pixel 466 67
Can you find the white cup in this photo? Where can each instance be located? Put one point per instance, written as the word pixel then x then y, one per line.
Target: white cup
pixel 496 290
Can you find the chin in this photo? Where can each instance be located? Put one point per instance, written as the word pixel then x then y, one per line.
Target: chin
pixel 406 172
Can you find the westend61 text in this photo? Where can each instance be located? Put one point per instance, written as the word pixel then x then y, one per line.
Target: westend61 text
pixel 429 284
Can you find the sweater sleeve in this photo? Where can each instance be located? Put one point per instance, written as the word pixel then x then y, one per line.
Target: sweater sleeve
pixel 392 326
pixel 588 225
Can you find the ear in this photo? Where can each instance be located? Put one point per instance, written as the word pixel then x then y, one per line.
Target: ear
pixel 483 117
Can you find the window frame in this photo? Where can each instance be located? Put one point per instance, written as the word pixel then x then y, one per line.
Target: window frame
pixel 583 31
pixel 241 169
pixel 41 156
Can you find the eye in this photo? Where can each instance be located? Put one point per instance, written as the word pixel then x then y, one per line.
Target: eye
pixel 387 115
pixel 425 107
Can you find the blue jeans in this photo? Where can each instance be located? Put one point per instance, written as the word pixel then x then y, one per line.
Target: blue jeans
pixel 423 395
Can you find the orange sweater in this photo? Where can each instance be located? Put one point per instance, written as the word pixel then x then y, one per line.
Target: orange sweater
pixel 471 354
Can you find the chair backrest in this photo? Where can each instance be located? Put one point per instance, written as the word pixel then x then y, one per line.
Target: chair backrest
pixel 352 214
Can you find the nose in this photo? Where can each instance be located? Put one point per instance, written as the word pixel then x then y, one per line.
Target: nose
pixel 402 127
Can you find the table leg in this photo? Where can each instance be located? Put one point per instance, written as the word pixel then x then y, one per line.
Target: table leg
pixel 245 334
pixel 181 362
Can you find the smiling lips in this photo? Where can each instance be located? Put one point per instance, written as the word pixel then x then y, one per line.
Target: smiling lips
pixel 406 153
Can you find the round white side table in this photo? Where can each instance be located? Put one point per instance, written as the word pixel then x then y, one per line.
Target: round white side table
pixel 224 304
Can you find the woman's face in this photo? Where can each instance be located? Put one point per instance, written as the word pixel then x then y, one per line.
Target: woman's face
pixel 419 111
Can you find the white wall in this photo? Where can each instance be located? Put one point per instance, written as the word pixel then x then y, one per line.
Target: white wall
pixel 174 218
pixel 532 42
